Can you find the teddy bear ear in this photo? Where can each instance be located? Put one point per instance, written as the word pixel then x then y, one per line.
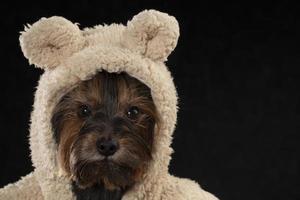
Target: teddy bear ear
pixel 49 41
pixel 153 34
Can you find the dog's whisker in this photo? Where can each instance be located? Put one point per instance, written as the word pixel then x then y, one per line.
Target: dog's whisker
pixel 82 168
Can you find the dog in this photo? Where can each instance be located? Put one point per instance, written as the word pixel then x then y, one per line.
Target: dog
pixel 104 130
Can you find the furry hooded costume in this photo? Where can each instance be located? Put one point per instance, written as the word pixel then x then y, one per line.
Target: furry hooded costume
pixel 70 55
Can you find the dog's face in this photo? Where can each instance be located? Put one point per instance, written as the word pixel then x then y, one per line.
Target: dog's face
pixel 104 130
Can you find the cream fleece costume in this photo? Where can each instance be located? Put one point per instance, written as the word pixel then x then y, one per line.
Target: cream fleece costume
pixel 68 56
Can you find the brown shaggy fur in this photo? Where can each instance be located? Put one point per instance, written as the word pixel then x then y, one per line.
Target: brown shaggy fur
pixel 103 108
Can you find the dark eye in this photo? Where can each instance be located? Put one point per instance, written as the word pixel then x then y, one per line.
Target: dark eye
pixel 133 112
pixel 84 111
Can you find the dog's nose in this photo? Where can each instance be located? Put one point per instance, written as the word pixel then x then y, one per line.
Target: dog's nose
pixel 107 147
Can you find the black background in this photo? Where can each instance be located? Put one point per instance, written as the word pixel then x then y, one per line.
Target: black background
pixel 236 68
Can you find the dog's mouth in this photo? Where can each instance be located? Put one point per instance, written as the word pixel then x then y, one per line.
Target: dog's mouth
pixel 104 171
pixel 106 164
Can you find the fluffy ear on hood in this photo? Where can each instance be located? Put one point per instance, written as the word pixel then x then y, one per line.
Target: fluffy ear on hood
pixel 49 41
pixel 152 34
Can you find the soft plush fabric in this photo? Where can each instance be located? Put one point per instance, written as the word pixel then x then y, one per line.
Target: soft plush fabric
pixel 68 56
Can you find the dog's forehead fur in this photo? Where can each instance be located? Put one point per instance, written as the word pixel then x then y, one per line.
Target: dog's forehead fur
pixel 109 89
pixel 69 56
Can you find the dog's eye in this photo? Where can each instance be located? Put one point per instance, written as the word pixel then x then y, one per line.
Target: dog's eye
pixel 133 112
pixel 84 111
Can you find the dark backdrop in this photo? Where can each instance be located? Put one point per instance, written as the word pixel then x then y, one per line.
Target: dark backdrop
pixel 236 68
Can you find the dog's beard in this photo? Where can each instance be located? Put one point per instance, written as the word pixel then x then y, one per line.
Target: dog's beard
pixel 120 170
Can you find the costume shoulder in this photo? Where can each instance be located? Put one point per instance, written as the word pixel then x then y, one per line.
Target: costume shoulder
pixel 26 189
pixel 185 189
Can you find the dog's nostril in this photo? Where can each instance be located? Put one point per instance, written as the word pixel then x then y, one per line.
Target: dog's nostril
pixel 112 148
pixel 107 147
pixel 102 147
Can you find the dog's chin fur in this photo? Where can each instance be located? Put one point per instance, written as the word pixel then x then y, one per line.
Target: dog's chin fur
pixel 111 174
pixel 102 108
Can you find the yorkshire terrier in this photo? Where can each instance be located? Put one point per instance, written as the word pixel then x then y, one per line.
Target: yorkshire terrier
pixel 104 131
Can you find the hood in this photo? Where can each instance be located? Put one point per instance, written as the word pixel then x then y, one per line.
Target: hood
pixel 69 55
